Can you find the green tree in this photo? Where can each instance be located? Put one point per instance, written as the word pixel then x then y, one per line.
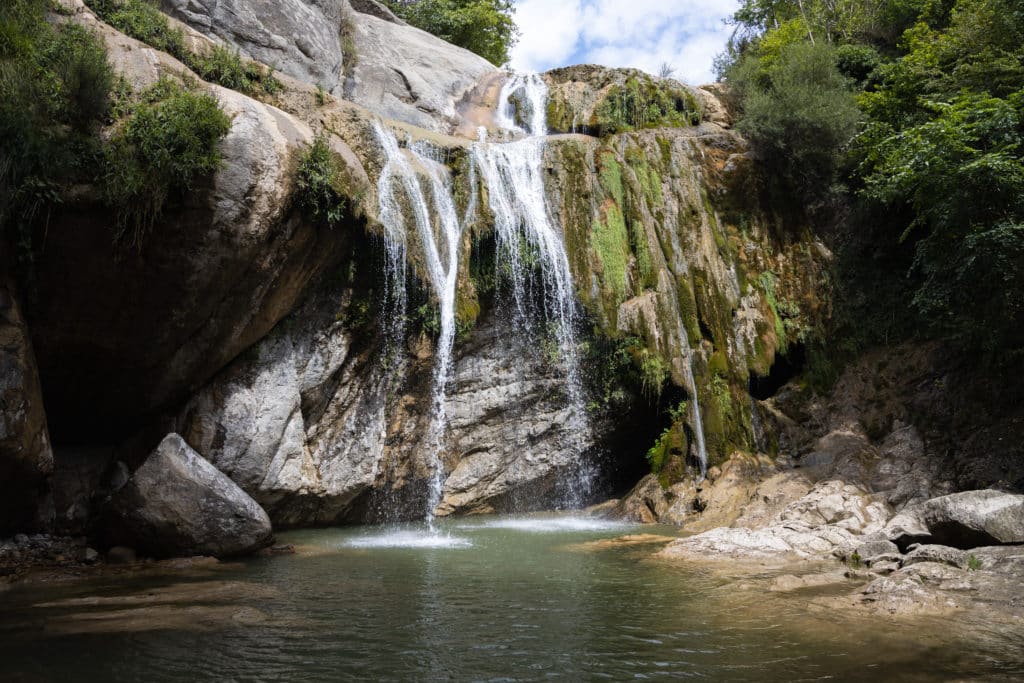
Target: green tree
pixel 485 27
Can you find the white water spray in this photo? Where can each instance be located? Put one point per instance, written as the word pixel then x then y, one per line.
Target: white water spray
pixel 513 173
pixel 440 246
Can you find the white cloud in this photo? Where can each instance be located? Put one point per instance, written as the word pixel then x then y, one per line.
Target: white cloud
pixel 550 33
pixel 628 33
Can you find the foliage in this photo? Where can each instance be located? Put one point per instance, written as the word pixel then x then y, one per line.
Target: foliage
pixel 799 112
pixel 169 141
pixel 321 186
pixel 485 27
pixel 973 563
pixel 225 67
pixel 646 103
pixel 653 373
pixel 55 85
pixel 936 171
pixel 143 20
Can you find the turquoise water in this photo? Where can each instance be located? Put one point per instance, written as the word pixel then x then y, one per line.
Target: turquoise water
pixel 485 599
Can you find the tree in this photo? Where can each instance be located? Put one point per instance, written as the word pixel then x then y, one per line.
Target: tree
pixel 485 27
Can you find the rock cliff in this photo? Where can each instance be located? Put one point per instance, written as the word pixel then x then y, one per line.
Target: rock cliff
pixel 298 357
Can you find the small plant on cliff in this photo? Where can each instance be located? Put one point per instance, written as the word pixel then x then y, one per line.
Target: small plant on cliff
pixel 225 67
pixel 321 187
pixel 142 20
pixel 170 141
pixel 973 563
pixel 55 87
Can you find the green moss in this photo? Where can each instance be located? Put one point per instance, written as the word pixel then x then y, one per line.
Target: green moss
pixel 671 446
pixel 767 281
pixel 610 242
pixel 718 364
pixel 609 173
pixel 688 309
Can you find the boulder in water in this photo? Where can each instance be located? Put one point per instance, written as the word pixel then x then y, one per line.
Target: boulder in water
pixel 178 504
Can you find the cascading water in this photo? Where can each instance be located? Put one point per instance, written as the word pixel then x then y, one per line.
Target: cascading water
pixel 440 246
pixel 513 173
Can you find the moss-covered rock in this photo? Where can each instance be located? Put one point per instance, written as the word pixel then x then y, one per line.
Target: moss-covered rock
pixel 601 101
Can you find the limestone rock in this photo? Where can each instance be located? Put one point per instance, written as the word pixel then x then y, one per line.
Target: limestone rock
pixel 409 75
pixel 212 277
pixel 877 550
pixel 975 518
pixel 178 504
pixel 26 459
pixel 297 37
pixel 936 553
pixel 298 422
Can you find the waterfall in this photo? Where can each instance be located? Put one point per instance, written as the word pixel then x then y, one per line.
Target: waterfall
pixel 513 173
pixel 698 422
pixel 524 97
pixel 440 248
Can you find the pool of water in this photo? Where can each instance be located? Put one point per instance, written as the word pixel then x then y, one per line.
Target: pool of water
pixel 481 599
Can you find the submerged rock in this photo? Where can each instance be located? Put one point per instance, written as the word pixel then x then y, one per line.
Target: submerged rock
pixel 178 504
pixel 975 518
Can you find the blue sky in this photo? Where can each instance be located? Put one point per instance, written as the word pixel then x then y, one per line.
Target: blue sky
pixel 637 33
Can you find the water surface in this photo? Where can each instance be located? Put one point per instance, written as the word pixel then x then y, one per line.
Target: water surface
pixel 484 599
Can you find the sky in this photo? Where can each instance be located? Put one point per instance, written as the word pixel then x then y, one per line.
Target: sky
pixel 643 34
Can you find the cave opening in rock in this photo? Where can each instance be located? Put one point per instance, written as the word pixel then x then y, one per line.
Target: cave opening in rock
pixel 786 367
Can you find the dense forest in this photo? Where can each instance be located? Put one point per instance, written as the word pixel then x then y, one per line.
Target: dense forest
pixel 901 122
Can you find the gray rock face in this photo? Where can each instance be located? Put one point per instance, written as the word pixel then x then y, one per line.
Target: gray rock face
pixel 512 429
pixel 297 37
pixel 975 518
pixel 26 459
pixel 320 432
pixel 298 422
pixel 178 504
pixel 941 554
pixel 212 278
pixel 409 75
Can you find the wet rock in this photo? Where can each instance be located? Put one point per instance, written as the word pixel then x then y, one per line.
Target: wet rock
pixel 936 553
pixel 119 554
pixel 975 518
pixel 26 459
pixel 178 504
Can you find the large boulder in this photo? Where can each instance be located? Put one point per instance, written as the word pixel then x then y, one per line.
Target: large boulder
pixel 25 456
pixel 121 333
pixel 975 518
pixel 409 75
pixel 298 37
pixel 178 504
